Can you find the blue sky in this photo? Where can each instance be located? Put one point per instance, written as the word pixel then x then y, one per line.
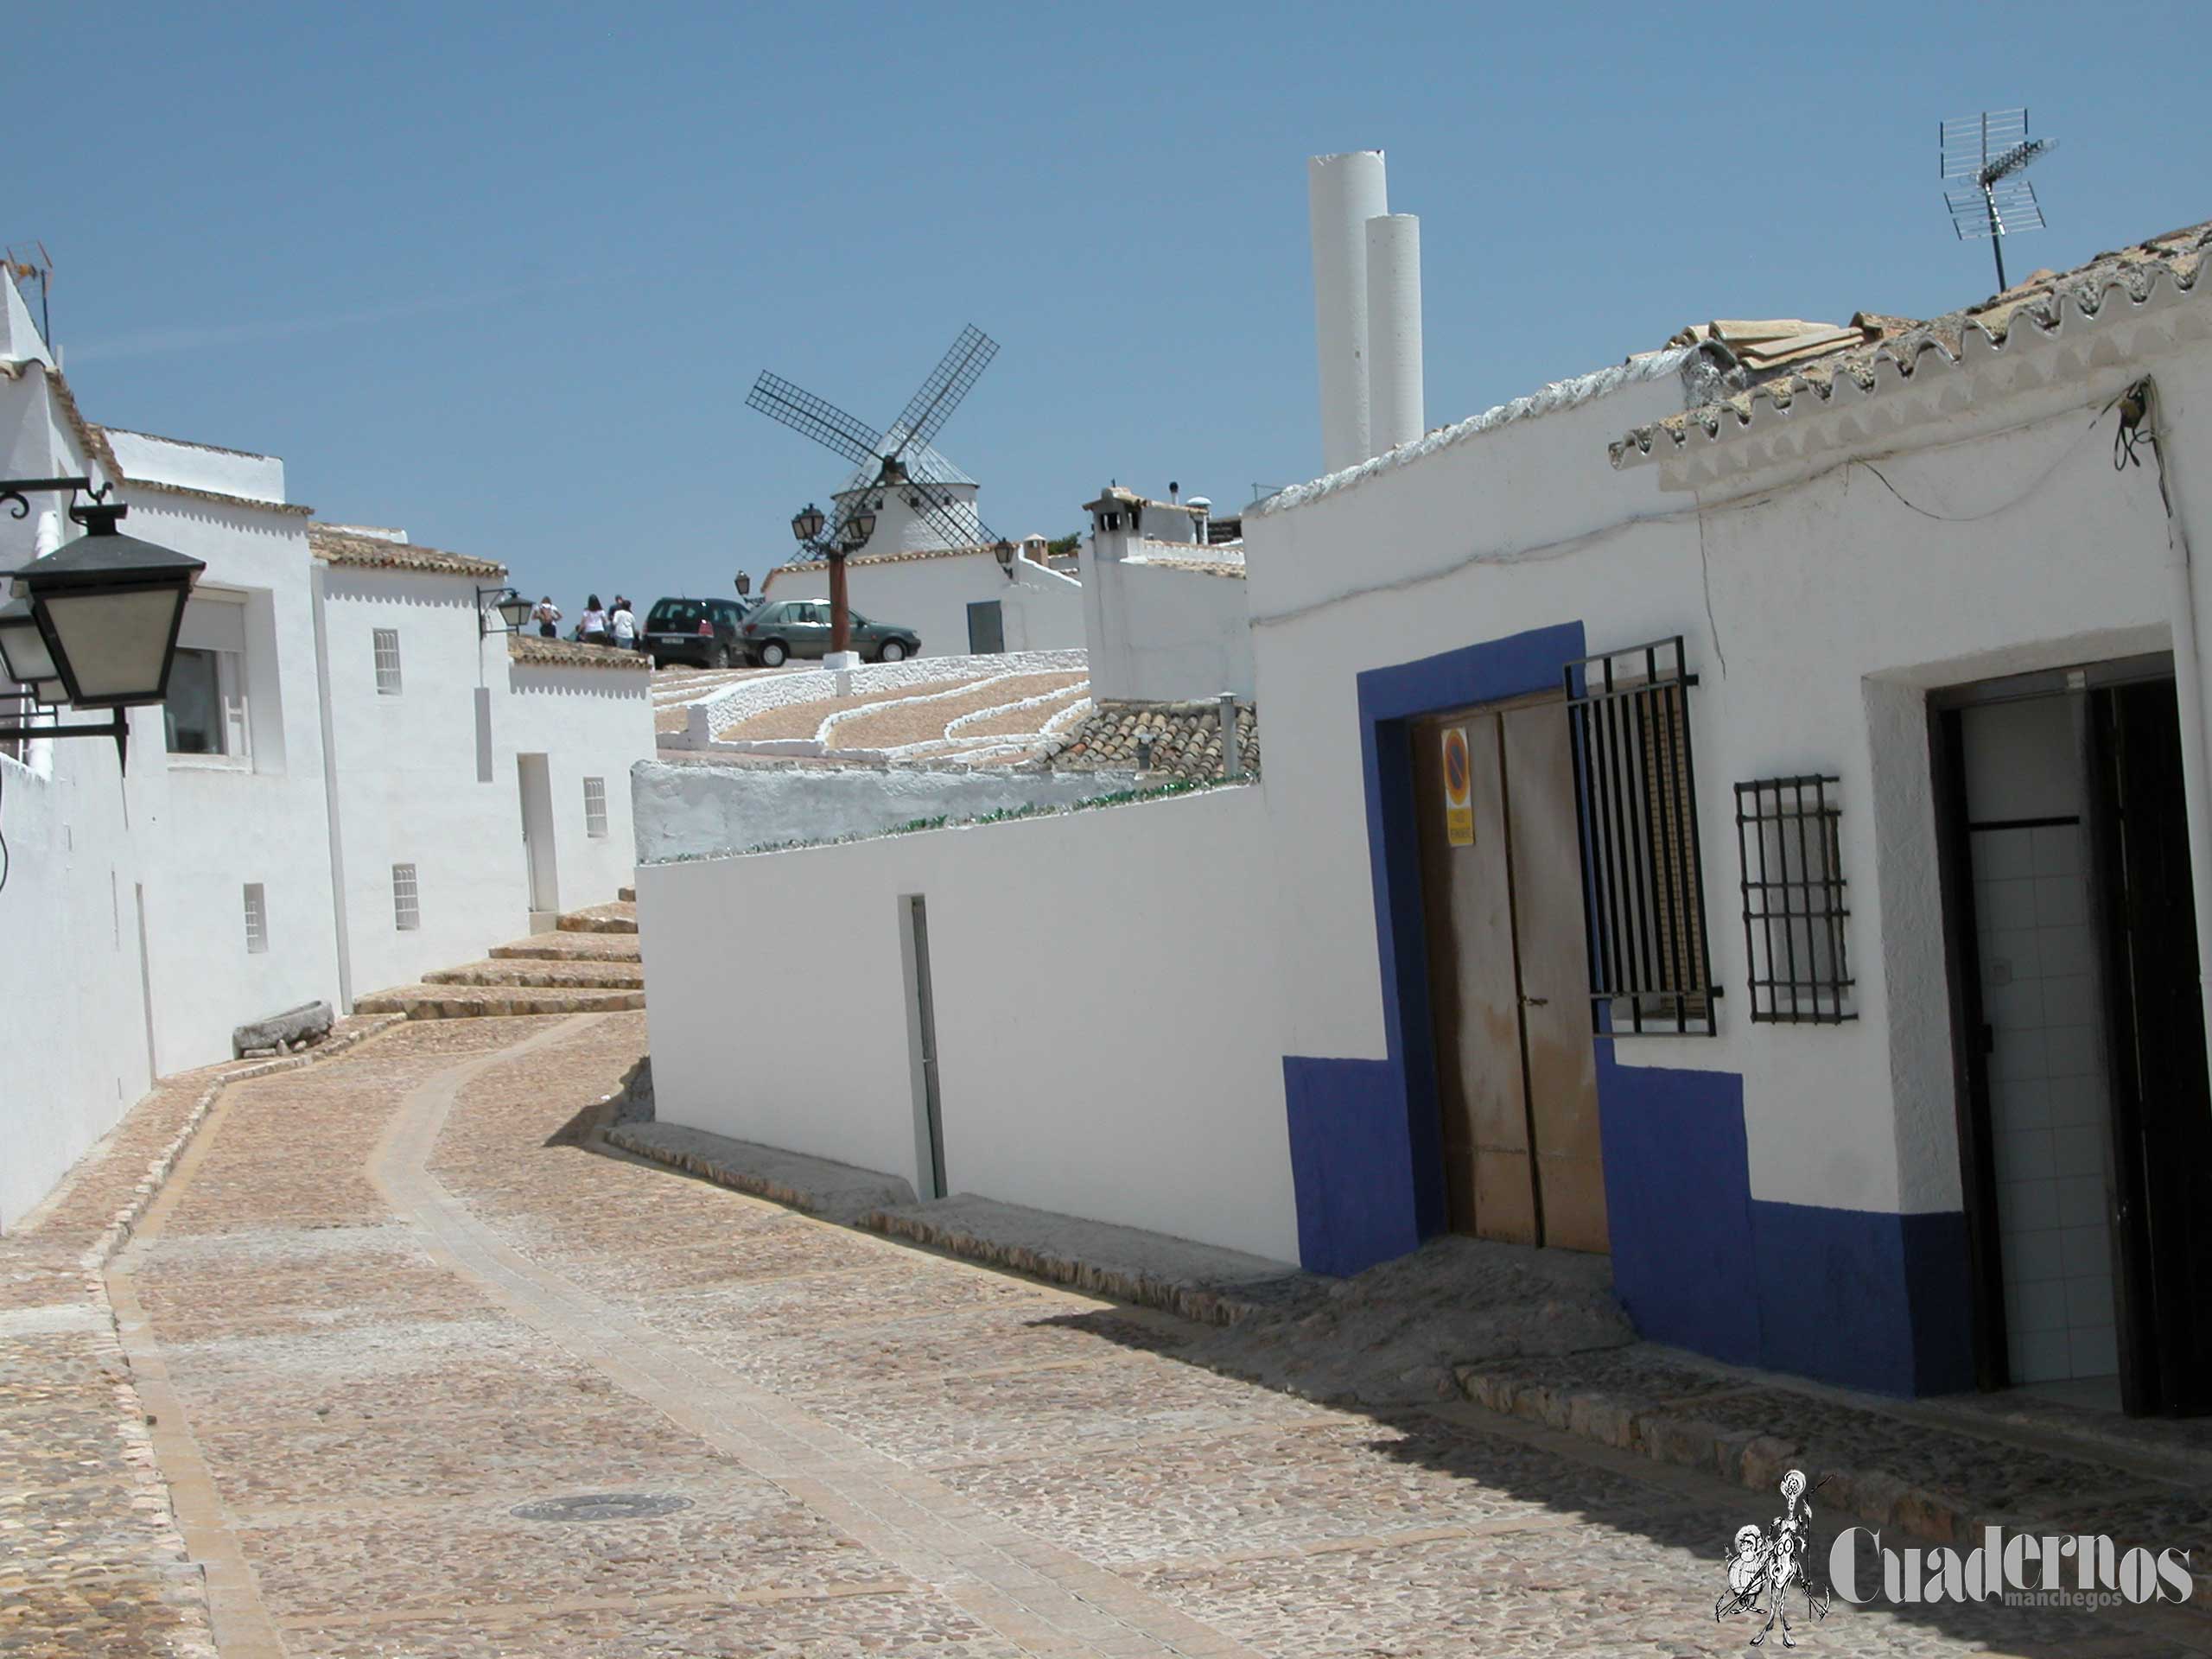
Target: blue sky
pixel 503 275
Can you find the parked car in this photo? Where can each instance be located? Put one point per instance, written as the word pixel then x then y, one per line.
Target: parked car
pixel 800 628
pixel 702 631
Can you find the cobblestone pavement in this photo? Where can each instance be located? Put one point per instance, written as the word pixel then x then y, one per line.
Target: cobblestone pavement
pixel 386 1303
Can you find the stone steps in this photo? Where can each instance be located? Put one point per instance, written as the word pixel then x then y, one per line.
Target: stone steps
pixel 569 947
pixel 589 973
pixel 482 1002
pixel 621 917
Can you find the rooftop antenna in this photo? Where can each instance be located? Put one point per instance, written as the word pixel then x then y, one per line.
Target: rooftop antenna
pixel 30 263
pixel 1983 157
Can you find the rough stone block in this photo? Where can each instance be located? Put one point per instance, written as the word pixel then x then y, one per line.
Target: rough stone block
pixel 308 1023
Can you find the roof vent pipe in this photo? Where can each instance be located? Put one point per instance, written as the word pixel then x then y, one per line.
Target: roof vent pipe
pixel 1396 397
pixel 1343 193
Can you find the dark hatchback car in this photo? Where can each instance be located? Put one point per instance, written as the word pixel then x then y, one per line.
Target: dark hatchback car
pixel 702 632
pixel 800 628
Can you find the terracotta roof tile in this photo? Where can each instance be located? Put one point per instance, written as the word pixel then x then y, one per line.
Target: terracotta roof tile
pixel 335 546
pixel 541 652
pixel 1891 350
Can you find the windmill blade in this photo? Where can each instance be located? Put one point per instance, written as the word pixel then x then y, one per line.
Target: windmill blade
pixel 819 419
pixel 955 374
pixel 954 519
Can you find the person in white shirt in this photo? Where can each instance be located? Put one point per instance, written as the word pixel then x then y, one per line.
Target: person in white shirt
pixel 549 618
pixel 625 626
pixel 591 627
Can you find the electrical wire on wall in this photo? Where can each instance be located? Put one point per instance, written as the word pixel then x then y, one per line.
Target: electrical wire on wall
pixel 2124 442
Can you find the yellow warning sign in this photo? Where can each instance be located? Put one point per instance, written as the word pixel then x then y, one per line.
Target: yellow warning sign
pixel 1458 789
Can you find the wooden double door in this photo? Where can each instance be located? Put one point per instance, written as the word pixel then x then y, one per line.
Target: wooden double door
pixel 1509 974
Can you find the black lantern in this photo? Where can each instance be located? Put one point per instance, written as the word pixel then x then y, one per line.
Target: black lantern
pixel 806 523
pixel 859 528
pixel 744 585
pixel 514 610
pixel 23 647
pixel 1002 551
pixel 108 607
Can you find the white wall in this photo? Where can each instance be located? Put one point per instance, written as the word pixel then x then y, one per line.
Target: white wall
pixel 1816 614
pixel 1106 1012
pixel 701 811
pixel 595 722
pixel 407 779
pixel 70 975
pixel 1041 609
pixel 212 827
pixel 1157 632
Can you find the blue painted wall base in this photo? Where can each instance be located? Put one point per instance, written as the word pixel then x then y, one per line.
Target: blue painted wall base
pixel 1851 1297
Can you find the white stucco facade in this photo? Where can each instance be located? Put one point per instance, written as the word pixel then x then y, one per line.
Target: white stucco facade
pixel 1166 621
pixel 156 909
pixel 1131 1078
pixel 1039 609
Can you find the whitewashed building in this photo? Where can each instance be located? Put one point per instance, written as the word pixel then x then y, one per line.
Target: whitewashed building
pixel 957 599
pixel 1745 811
pixel 248 859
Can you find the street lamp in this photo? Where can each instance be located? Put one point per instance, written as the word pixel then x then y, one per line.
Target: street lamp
pixel 94 624
pixel 858 528
pixel 514 611
pixel 806 523
pixel 1002 551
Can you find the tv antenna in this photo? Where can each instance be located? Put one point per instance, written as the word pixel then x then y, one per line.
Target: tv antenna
pixel 1984 156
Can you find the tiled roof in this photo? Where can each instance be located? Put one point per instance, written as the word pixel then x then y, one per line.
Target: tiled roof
pixel 1890 352
pixel 96 439
pixel 856 561
pixel 335 546
pixel 1233 569
pixel 541 652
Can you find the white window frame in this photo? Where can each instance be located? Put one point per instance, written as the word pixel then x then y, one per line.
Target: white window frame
pixel 383 644
pixel 257 919
pixel 212 621
pixel 406 899
pixel 595 808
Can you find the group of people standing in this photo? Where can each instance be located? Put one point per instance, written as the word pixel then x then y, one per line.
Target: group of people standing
pixel 616 625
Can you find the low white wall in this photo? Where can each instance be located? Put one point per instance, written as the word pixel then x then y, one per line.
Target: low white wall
pixel 1106 1010
pixel 704 811
pixel 1039 609
pixel 1160 633
pixel 744 698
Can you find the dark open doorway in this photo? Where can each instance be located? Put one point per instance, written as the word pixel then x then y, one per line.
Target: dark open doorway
pixel 2084 1125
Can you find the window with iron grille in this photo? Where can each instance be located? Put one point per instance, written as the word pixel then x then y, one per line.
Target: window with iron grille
pixel 595 807
pixel 406 909
pixel 1794 909
pixel 257 919
pixel 387 641
pixel 1642 870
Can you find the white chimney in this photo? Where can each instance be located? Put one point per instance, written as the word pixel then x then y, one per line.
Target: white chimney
pixel 1395 400
pixel 1343 193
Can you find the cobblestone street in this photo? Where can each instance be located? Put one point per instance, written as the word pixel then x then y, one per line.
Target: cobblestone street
pixel 386 1314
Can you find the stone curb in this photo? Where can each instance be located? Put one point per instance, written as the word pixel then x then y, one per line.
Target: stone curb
pixel 766 1174
pixel 1676 1435
pixel 1204 1304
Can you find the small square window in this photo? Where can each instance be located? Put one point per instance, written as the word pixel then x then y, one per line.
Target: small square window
pixel 595 808
pixel 257 919
pixel 406 908
pixel 1794 906
pixel 387 640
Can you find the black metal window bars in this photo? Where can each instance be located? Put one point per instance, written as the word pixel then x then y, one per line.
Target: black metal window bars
pixel 1643 866
pixel 1794 908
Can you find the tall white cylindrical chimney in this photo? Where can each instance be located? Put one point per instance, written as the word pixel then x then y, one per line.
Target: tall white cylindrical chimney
pixel 1343 193
pixel 1395 395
